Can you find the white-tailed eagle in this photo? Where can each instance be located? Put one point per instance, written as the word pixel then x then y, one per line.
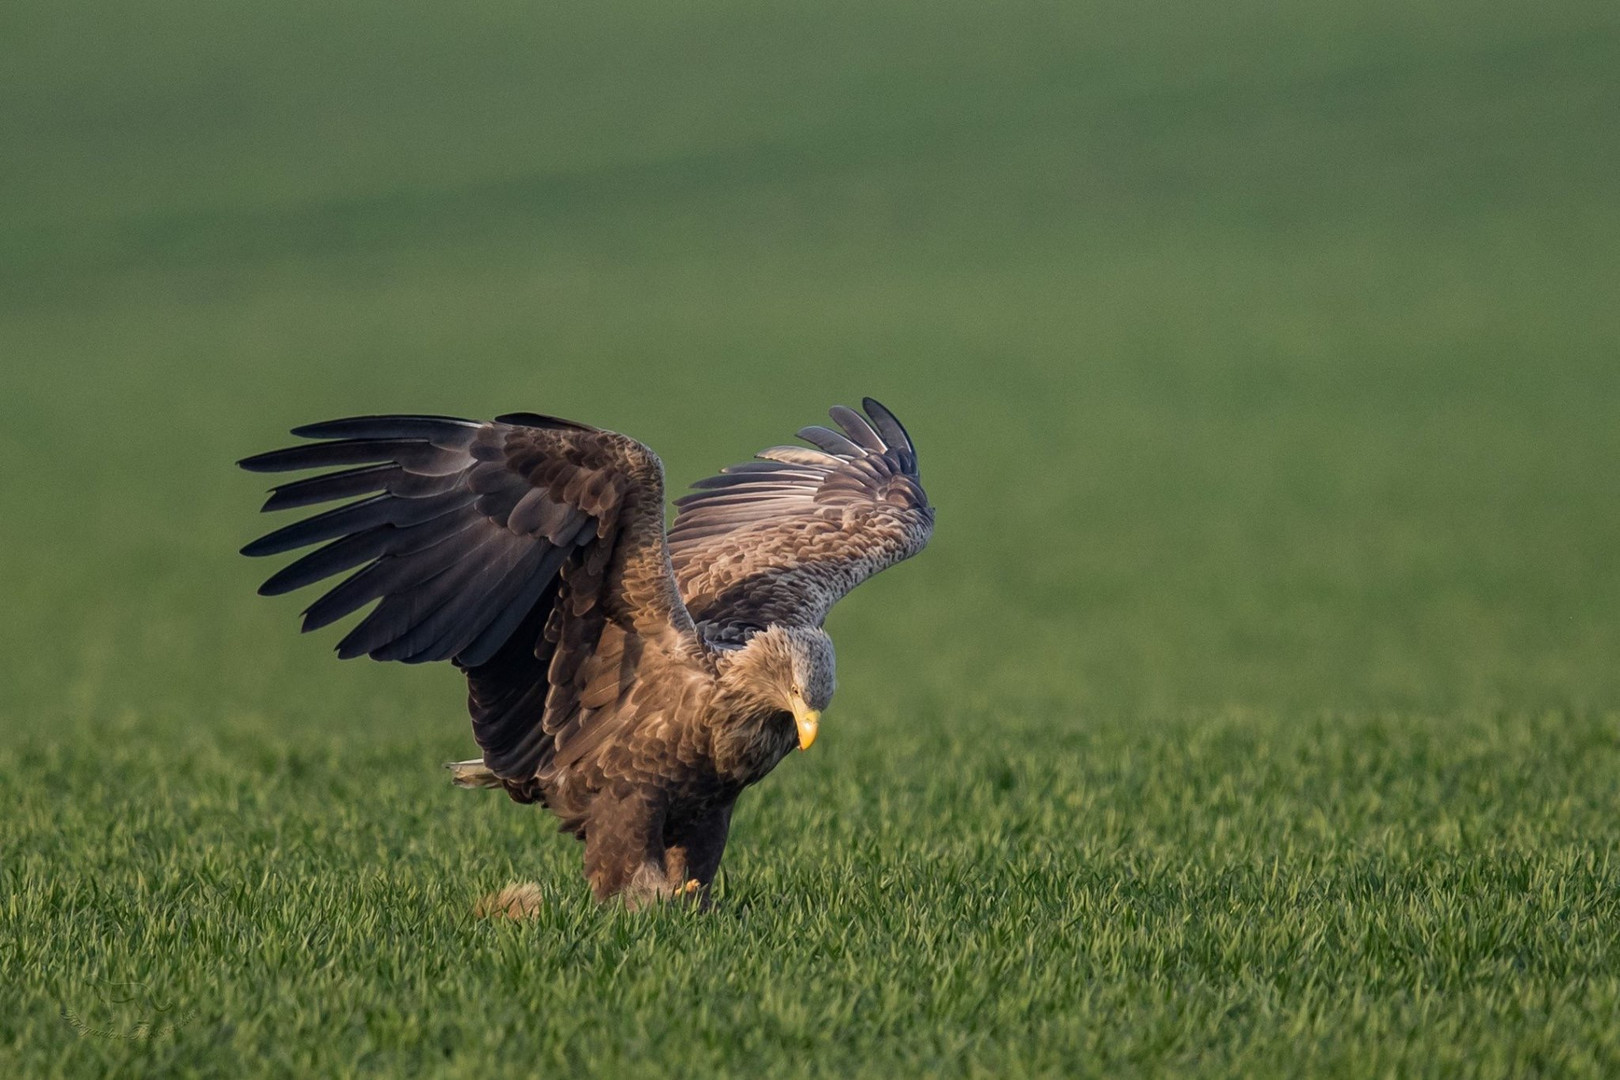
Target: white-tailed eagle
pixel 634 680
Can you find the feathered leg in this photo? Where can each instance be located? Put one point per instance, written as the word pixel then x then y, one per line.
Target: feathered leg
pixel 693 851
pixel 624 850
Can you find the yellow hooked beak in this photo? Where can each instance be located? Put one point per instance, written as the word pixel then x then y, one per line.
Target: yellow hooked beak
pixel 808 720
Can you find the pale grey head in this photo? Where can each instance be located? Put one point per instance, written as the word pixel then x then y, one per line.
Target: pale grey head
pixel 787 669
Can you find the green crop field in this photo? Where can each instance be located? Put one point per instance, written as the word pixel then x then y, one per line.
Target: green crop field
pixel 1255 710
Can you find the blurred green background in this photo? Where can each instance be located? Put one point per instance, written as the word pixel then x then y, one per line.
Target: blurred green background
pixel 1252 712
pixel 1260 356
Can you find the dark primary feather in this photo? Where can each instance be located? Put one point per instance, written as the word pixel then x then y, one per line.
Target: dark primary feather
pixel 889 426
pixel 417 454
pixel 385 509
pixel 782 538
pixel 338 485
pixel 431 428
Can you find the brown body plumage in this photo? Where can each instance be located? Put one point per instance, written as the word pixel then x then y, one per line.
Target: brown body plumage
pixel 633 681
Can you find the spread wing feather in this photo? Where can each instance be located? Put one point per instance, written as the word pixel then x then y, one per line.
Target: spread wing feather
pixel 530 551
pixel 782 538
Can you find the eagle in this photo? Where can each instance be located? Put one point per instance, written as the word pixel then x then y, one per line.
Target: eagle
pixel 631 678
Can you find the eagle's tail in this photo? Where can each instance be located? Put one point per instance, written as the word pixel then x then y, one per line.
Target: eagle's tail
pixel 472 774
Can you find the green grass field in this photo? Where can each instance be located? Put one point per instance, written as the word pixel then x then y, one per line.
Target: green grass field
pixel 1255 710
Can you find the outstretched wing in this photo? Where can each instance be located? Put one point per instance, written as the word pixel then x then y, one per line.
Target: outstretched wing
pixel 530 551
pixel 782 538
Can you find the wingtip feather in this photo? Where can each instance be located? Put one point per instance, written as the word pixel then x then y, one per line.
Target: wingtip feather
pixel 888 425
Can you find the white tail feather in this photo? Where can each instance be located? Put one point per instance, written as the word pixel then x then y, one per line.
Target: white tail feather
pixel 472 774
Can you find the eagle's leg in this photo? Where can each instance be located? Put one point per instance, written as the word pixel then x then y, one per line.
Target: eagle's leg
pixel 692 854
pixel 624 850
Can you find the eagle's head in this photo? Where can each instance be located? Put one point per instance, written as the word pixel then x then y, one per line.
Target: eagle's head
pixel 788 669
